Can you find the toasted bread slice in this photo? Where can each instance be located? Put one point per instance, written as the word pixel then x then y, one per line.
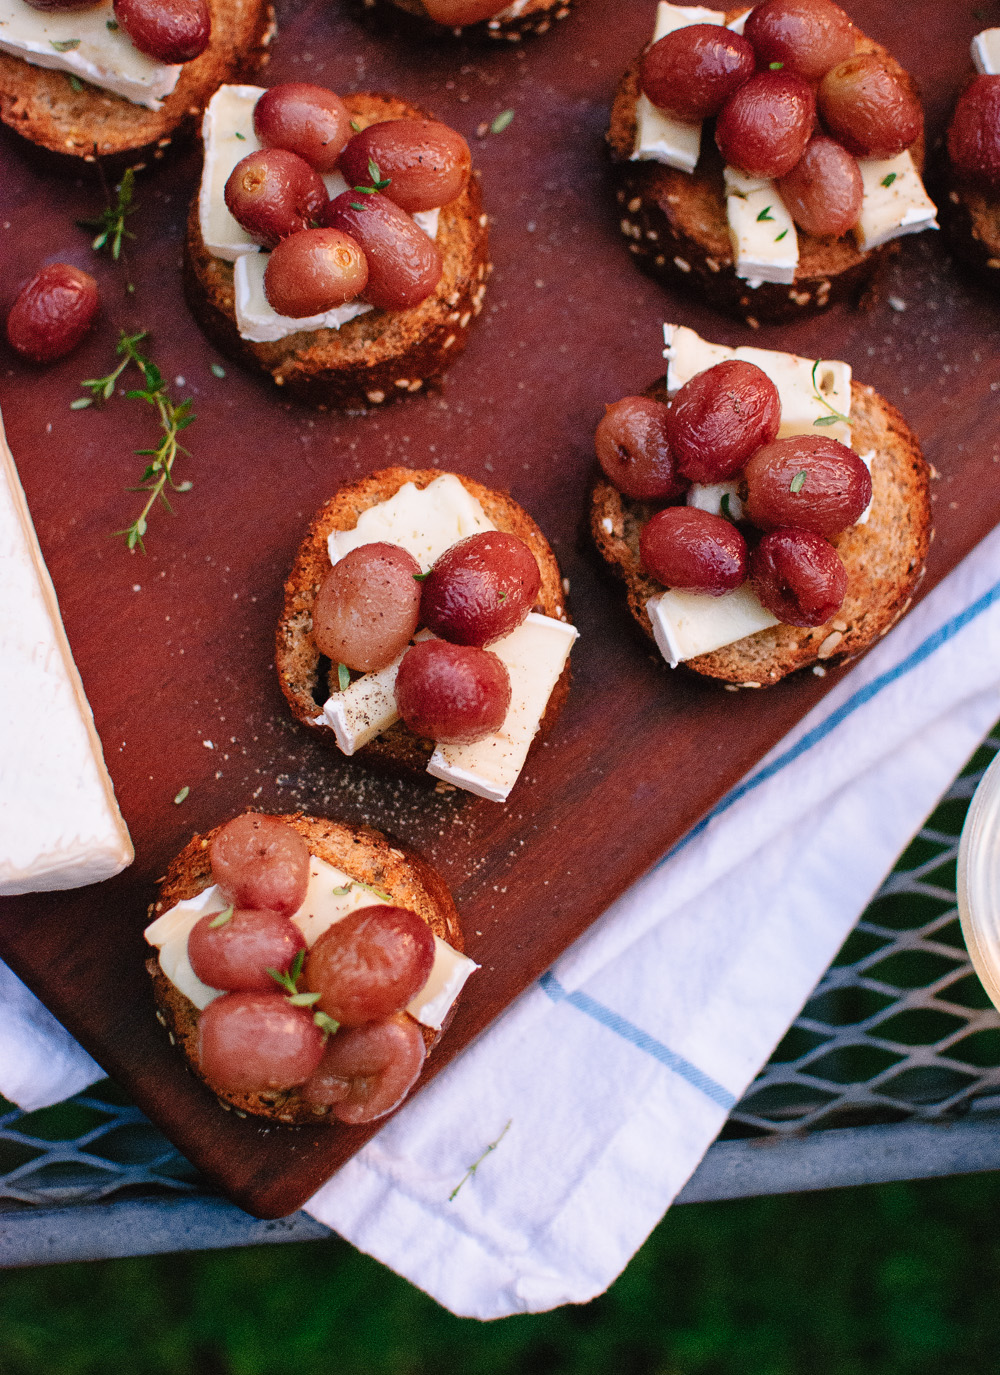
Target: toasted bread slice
pixel 307 680
pixel 90 123
pixel 381 354
pixel 533 17
pixel 677 229
pixel 970 216
pixel 884 558
pixel 367 856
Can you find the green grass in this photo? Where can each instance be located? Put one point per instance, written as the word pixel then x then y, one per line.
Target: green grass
pixel 899 1279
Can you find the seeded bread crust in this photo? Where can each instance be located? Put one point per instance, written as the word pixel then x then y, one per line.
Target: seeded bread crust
pixel 677 229
pixel 884 559
pixel 970 217
pixel 536 18
pixel 361 852
pixel 90 123
pixel 381 354
pixel 300 669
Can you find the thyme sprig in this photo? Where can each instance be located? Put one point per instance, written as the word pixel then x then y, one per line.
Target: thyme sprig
pixel 476 1163
pixel 378 182
pixel 159 473
pixel 289 982
pixel 368 887
pixel 834 415
pixel 111 221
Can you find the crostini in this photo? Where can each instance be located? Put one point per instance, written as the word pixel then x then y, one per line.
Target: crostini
pixel 507 23
pixel 971 213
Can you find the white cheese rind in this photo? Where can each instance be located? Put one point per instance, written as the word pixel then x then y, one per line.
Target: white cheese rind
pixel 60 826
pixel 425 521
pixel 986 52
pixel 708 496
pixel 535 655
pixel 364 709
pixel 330 896
pixel 867 459
pixel 889 212
pixel 762 232
pixel 661 137
pixel 105 57
pixel 686 624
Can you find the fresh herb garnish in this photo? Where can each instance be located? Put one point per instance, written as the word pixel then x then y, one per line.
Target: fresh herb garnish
pixel 64 45
pixel 343 676
pixel 291 978
pixel 476 1163
pixel 217 370
pixel 326 1024
pixel 419 577
pixel 368 887
pixel 503 121
pixel 775 66
pixel 765 214
pixel 242 137
pixel 834 415
pixel 356 205
pixel 75 84
pixel 888 180
pixel 182 795
pixel 225 915
pixel 112 24
pixel 355 126
pixel 778 237
pixel 798 481
pixel 378 182
pixel 724 509
pixel 111 221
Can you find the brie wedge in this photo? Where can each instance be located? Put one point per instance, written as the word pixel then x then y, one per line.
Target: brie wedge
pixel 765 244
pixel 330 896
pixel 686 624
pixel 425 521
pixel 60 826
pixel 894 201
pixel 986 52
pixel 87 44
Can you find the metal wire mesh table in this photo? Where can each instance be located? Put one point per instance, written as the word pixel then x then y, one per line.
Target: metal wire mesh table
pixel 892 1071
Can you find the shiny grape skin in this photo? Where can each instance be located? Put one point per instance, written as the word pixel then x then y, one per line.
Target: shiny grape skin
pixel 684 547
pixel 634 452
pixel 52 313
pixel 237 955
pixel 974 132
pixel 763 129
pixel 798 577
pixel 166 30
pixel 823 191
pixel 262 862
pixel 273 193
pixel 257 1042
pixel 693 71
pixel 370 964
pixel 367 607
pixel 868 108
pixel 456 694
pixel 807 36
pixel 367 1072
pixel 404 266
pixel 426 163
pixel 313 271
pixel 811 483
pixel 480 589
pixel 720 417
pixel 457 12
pixel 307 120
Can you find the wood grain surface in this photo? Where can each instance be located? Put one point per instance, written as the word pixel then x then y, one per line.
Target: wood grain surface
pixel 175 648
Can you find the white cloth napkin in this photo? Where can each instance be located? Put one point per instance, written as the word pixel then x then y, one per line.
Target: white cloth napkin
pixel 602 1087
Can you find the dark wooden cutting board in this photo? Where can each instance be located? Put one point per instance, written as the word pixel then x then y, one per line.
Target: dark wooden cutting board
pixel 175 648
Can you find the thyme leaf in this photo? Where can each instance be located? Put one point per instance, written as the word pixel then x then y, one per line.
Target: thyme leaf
pixel 225 915
pixel 798 481
pixel 503 121
pixel 765 214
pixel 182 795
pixel 111 221
pixel 834 415
pixel 343 677
pixel 64 45
pixel 888 180
pixel 476 1163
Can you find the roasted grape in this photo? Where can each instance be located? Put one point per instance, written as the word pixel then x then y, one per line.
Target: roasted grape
pixel 261 862
pixel 370 964
pixel 694 550
pixel 823 190
pixel 974 133
pixel 236 954
pixel 256 1042
pixel 868 108
pixel 457 12
pixel 366 610
pixel 480 589
pixel 426 163
pixel 166 30
pixel 806 36
pixel 273 193
pixel 763 129
pixel 52 313
pixel 456 694
pixel 367 1072
pixel 634 452
pixel 404 266
pixel 313 271
pixel 720 417
pixel 693 71
pixel 798 577
pixel 815 484
pixel 308 120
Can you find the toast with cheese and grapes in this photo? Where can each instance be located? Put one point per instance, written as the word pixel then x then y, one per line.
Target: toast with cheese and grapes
pixel 507 24
pixel 692 221
pixel 971 209
pixel 351 866
pixel 375 356
pixel 733 638
pixel 459 506
pixel 63 112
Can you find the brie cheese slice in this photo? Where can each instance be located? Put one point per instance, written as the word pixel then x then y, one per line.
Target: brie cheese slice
pixel 60 826
pixel 660 136
pixel 425 521
pixel 90 45
pixel 709 496
pixel 686 624
pixel 364 709
pixel 894 201
pixel 986 52
pixel 765 244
